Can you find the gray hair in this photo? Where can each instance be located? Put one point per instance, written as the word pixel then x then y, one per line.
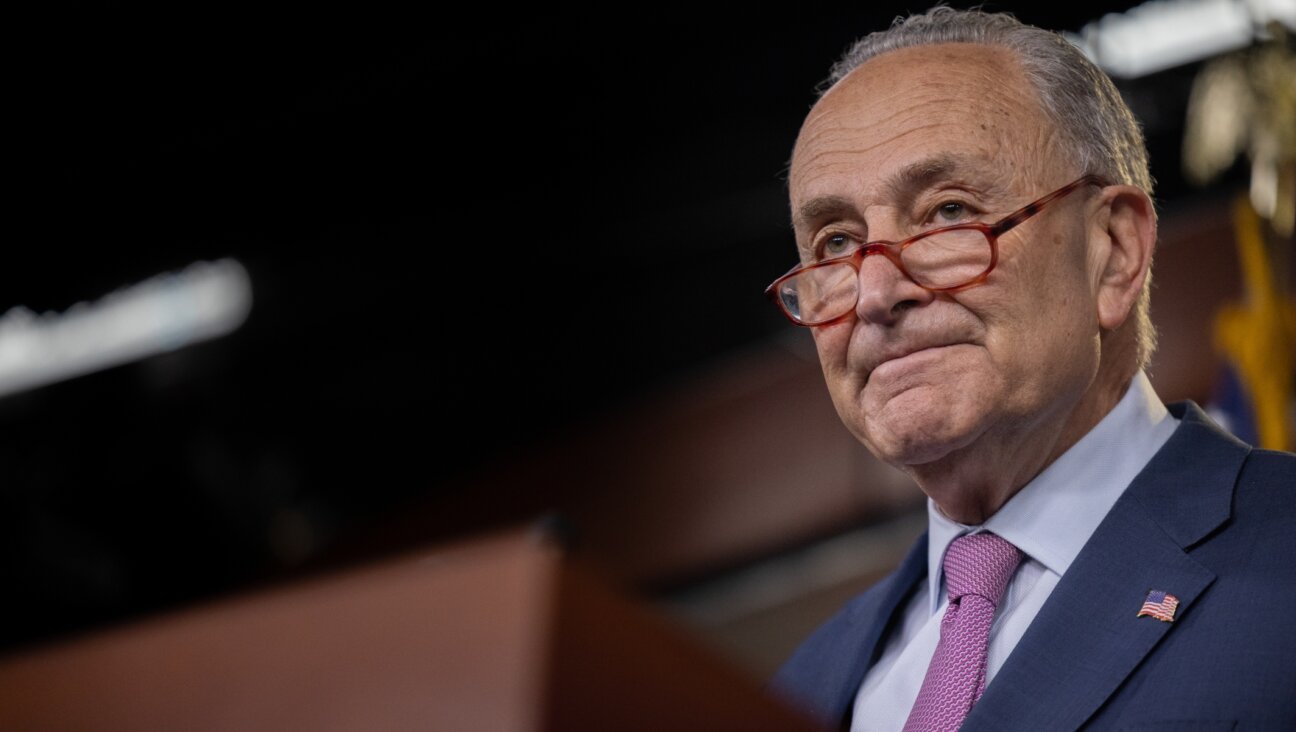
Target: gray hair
pixel 1094 123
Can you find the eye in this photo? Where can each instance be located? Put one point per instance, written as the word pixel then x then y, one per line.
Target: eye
pixel 951 212
pixel 835 245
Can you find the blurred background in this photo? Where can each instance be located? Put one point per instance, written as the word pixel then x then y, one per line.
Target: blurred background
pixel 463 275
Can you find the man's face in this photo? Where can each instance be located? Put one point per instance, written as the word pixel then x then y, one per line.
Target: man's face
pixel 926 137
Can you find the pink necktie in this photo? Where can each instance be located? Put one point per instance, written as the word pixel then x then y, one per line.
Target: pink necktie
pixel 977 570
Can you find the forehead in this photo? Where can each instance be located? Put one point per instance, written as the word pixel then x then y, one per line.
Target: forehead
pixel 950 107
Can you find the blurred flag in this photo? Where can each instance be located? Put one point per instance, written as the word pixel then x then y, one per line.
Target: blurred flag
pixel 1257 338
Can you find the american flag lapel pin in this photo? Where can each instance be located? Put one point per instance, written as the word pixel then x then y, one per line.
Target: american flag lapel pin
pixel 1160 605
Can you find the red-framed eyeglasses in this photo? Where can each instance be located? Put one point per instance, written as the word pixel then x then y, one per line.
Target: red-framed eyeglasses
pixel 949 259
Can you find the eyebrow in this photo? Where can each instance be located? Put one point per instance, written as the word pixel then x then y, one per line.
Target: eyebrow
pixel 901 186
pixel 821 207
pixel 919 176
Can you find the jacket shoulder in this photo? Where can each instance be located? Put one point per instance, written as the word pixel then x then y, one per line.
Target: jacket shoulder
pixel 1270 468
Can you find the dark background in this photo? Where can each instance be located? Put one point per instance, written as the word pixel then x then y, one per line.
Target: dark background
pixel 462 236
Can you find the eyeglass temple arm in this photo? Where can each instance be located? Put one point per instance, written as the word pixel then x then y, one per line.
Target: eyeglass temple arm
pixel 1030 209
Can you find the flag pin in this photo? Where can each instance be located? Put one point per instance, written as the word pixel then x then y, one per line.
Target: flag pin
pixel 1160 605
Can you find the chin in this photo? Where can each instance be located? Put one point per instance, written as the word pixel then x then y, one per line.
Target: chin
pixel 906 450
pixel 920 426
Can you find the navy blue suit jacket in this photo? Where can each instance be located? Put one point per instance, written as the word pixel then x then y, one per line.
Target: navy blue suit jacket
pixel 1209 520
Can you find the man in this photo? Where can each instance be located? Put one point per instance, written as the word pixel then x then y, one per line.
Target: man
pixel 1093 559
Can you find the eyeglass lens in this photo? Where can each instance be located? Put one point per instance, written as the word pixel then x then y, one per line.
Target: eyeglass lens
pixel 942 260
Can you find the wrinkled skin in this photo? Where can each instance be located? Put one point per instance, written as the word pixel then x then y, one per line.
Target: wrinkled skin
pixel 972 393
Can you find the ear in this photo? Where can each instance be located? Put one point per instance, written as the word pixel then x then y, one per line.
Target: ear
pixel 1126 233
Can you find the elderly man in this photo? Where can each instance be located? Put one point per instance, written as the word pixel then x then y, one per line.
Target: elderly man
pixel 1093 559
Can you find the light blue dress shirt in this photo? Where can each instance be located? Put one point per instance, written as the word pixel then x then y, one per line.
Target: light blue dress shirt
pixel 1049 519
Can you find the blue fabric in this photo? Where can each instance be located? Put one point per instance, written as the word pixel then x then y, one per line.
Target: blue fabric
pixel 1211 521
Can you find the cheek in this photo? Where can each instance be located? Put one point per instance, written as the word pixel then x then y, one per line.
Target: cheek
pixel 1042 300
pixel 1064 307
pixel 833 344
pixel 1046 340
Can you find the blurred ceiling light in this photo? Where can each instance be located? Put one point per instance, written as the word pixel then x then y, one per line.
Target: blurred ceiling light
pixel 166 312
pixel 1162 34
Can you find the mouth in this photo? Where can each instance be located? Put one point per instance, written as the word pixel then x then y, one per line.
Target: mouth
pixel 907 357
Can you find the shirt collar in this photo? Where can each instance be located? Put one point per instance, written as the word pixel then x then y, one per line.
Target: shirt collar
pixel 1053 515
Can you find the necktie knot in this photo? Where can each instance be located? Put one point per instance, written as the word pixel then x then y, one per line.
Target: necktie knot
pixel 980 564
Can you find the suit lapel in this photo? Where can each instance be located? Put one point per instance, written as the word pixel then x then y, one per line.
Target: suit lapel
pixel 1087 639
pixel 869 626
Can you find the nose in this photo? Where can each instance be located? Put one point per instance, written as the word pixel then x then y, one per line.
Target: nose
pixel 885 292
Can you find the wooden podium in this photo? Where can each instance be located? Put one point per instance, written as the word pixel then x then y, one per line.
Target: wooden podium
pixel 497 634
